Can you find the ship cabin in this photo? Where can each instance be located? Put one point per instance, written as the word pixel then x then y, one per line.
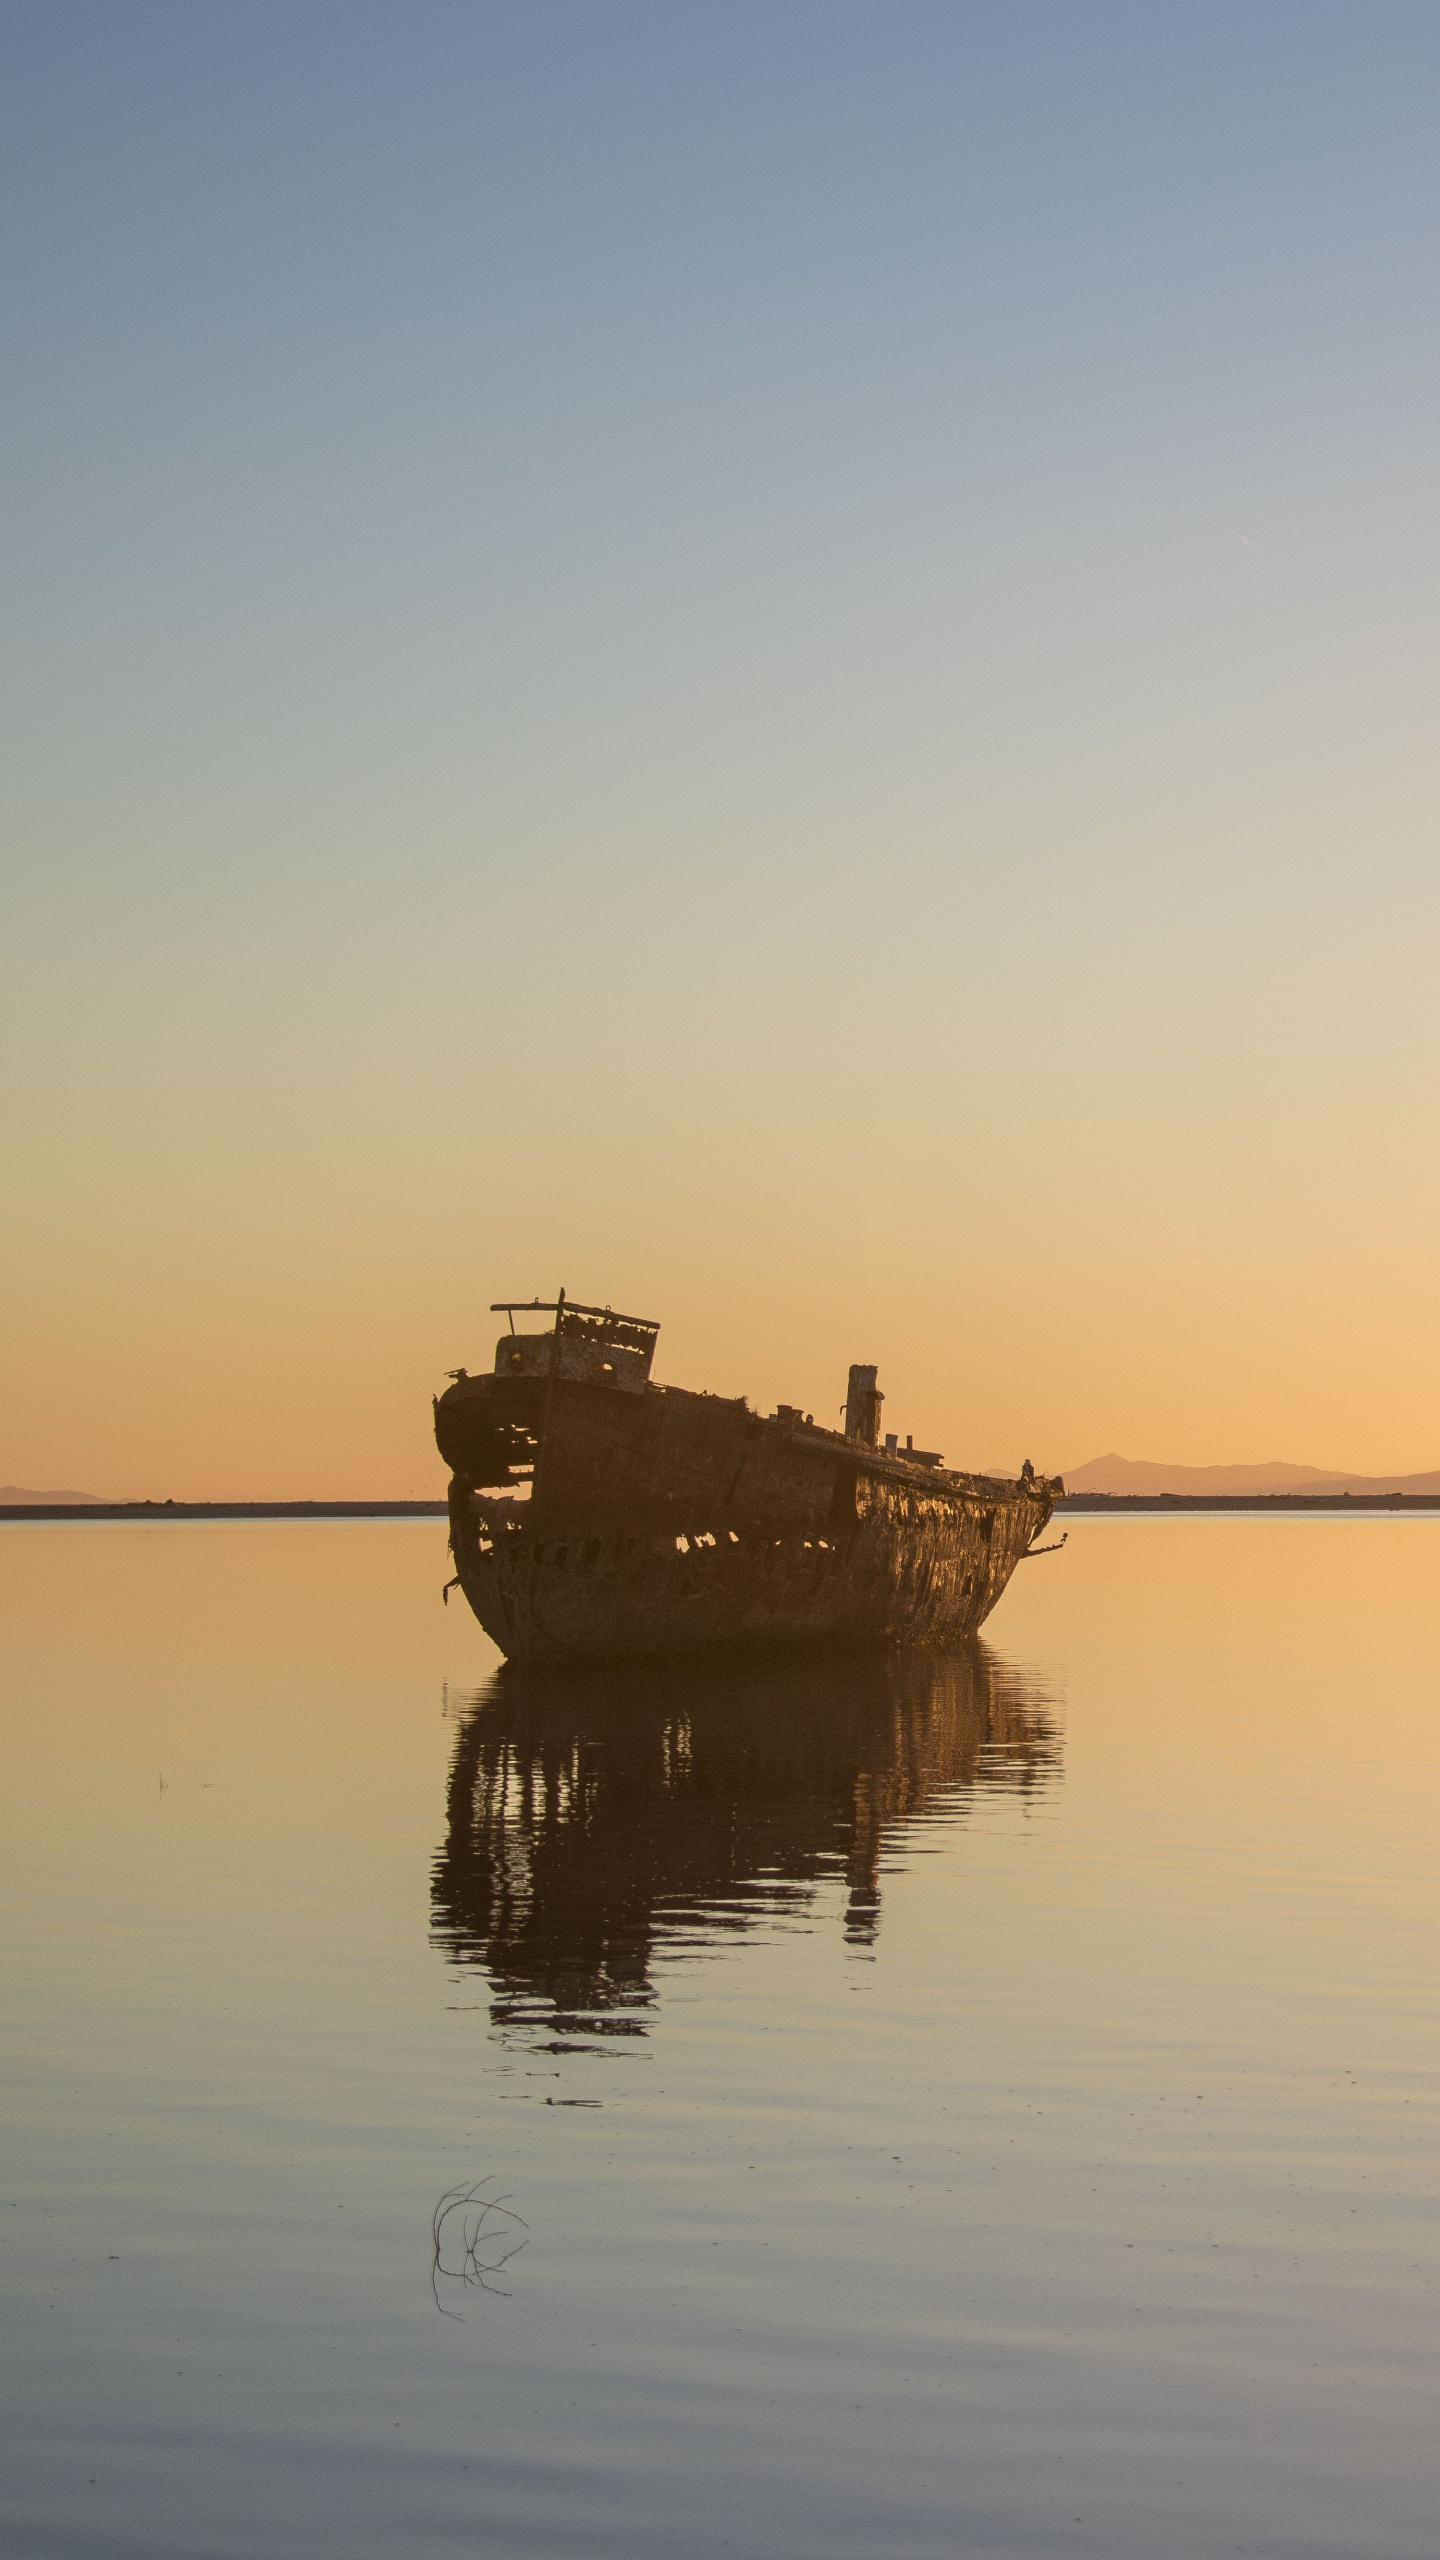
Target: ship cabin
pixel 585 1346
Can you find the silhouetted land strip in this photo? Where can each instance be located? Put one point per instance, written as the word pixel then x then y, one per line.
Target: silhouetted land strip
pixel 1105 1502
pixel 1255 1502
pixel 223 1510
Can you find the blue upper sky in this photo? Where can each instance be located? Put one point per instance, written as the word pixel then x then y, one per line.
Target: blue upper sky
pixel 670 547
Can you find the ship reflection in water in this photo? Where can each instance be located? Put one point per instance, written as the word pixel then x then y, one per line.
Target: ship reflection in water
pixel 596 1825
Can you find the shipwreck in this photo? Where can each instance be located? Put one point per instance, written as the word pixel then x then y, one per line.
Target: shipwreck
pixel 596 1516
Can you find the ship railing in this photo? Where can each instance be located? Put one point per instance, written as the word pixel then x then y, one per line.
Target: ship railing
pixel 588 1324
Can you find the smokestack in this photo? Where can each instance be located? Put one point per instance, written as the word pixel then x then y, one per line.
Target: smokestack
pixel 862 1406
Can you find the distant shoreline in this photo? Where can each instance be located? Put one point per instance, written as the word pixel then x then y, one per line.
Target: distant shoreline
pixel 1263 1504
pixel 224 1511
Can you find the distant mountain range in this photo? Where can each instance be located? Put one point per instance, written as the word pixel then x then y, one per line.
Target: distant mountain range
pixel 1114 1474
pixel 16 1493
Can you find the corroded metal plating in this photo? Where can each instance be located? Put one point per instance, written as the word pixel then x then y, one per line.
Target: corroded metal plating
pixel 666 1523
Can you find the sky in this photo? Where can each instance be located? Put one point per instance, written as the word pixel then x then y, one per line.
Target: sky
pixel 775 664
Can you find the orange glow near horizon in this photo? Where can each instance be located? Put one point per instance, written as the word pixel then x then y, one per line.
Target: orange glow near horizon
pixel 235 1368
pixel 306 1640
pixel 832 744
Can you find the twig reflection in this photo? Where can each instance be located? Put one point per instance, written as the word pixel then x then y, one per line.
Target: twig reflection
pixel 475 2235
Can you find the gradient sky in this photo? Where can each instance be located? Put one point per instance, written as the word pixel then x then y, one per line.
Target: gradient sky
pixel 778 663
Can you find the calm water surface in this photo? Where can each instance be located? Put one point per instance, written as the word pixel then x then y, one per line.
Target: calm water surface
pixel 964 2106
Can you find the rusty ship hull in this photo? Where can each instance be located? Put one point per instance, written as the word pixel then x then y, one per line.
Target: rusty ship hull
pixel 660 1522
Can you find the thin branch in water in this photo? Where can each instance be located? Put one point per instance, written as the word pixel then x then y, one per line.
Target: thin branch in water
pixel 474 2235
